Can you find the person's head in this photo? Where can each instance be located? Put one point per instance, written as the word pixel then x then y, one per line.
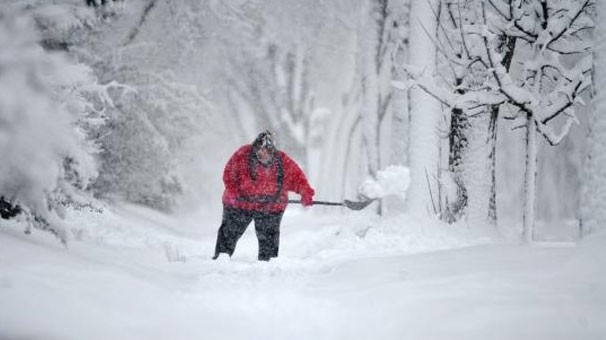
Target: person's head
pixel 264 147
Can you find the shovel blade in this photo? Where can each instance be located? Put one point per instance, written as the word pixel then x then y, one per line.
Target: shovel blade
pixel 357 205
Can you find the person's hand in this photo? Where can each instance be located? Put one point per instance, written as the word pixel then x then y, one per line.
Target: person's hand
pixel 307 200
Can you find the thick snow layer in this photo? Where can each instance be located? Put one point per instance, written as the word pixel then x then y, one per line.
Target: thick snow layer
pixel 135 274
pixel 394 180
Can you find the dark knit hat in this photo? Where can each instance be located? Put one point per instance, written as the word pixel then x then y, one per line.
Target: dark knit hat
pixel 264 140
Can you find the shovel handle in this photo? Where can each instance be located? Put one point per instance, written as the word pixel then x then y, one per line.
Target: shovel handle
pixel 318 202
pixel 353 205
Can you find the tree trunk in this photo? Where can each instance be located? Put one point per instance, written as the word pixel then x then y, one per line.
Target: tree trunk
pixel 477 171
pixel 425 113
pixel 369 42
pixel 400 111
pixel 492 164
pixel 399 125
pixel 530 180
pixel 458 143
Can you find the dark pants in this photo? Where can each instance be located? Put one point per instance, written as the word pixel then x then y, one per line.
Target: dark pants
pixel 234 223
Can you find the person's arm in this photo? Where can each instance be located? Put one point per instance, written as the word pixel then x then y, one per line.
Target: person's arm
pixel 295 180
pixel 232 173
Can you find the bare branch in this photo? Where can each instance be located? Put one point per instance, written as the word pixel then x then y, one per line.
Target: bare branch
pixel 443 29
pixel 517 127
pixel 576 16
pixel 532 37
pixel 471 108
pixel 135 31
pixel 563 52
pixel 384 106
pixel 549 135
pixel 571 98
pixel 439 47
pixel 435 96
pixel 498 10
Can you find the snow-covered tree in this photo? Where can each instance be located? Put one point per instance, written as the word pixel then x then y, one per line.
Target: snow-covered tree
pixel 383 110
pixel 534 59
pixel 471 133
pixel 398 38
pixel 49 104
pixel 593 198
pixel 425 111
pixel 367 63
pixel 545 89
pixel 372 62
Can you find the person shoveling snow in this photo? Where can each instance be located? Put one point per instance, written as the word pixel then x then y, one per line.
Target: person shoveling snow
pixel 257 180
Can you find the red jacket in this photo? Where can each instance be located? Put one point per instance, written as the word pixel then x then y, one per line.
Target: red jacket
pixel 244 192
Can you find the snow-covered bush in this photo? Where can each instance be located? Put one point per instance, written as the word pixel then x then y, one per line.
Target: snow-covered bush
pixel 144 140
pixel 46 108
pixel 159 111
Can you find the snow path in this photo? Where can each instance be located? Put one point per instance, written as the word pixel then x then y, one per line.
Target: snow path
pixel 101 291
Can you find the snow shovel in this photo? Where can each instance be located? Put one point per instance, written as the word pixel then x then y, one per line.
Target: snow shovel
pixel 353 205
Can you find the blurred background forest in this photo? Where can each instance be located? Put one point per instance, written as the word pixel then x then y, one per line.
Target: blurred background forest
pixel 144 101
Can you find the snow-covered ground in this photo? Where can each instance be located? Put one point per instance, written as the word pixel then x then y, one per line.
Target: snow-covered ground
pixel 131 273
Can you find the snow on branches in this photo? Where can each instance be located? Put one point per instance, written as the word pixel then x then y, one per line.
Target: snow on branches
pixel 524 60
pixel 48 105
pixel 548 43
